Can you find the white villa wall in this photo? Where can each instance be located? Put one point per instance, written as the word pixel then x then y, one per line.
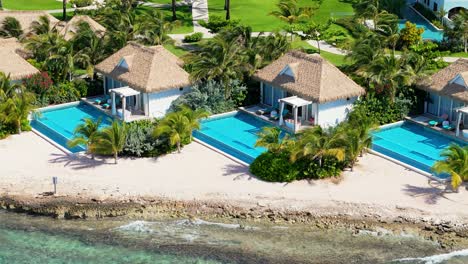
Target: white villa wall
pixel 447 5
pixel 159 103
pixel 335 112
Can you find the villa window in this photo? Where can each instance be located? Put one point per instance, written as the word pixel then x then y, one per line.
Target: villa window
pixel 445 103
pixel 435 7
pixel 181 89
pixel 433 104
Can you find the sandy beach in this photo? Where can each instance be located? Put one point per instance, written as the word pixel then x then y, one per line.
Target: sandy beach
pixel 198 173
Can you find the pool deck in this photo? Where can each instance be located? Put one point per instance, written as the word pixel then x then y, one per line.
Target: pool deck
pixel 252 110
pixel 135 116
pixel 424 119
pixel 376 186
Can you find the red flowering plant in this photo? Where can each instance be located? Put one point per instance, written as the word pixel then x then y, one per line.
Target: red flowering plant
pixel 38 83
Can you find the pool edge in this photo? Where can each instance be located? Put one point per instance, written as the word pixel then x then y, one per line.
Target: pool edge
pixel 221 152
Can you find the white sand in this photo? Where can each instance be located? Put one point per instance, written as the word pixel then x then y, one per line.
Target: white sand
pixel 28 163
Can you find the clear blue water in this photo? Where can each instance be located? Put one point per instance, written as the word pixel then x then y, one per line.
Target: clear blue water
pixel 412 144
pixel 430 32
pixel 234 134
pixel 58 124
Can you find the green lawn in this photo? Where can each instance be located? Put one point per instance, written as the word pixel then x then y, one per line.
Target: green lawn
pixel 255 13
pixel 184 15
pixel 337 60
pixel 458 54
pixel 32 4
pixel 178 51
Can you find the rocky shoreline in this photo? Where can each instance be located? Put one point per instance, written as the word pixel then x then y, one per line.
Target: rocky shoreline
pixel 450 234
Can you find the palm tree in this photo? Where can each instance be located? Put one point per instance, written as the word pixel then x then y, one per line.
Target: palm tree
pixel 85 134
pixel 227 7
pixel 110 140
pixel 460 28
pixel 358 137
pixel 7 88
pixel 1 5
pixel 367 9
pixel 289 12
pixel 154 28
pixel 455 163
pixel 386 73
pixel 193 117
pixel 45 45
pixel 174 15
pixel 220 60
pixel 64 7
pixel 11 28
pixel 176 127
pixel 16 109
pixel 42 26
pixel 316 143
pixel 271 138
pixel 65 61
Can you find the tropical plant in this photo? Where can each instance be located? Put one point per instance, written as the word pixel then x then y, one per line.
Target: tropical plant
pixel 316 143
pixel 174 14
pixel 275 167
pixel 290 12
pixel 410 34
pixel 64 10
pixel 11 27
pixel 455 163
pixel 273 139
pixel 85 134
pixel 220 59
pixel 153 28
pixel 17 108
pixel 210 97
pixel 65 61
pixel 110 140
pixel 193 118
pixel 314 31
pixel 358 136
pixel 460 29
pixel 7 88
pixel 227 7
pixel 176 127
pixel 42 26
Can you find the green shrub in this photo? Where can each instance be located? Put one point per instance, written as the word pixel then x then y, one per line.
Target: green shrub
pixel 274 167
pixel 62 93
pixel 381 111
pixel 410 35
pixel 195 37
pixel 210 96
pixel 331 167
pixel 81 3
pixel 139 141
pixel 216 23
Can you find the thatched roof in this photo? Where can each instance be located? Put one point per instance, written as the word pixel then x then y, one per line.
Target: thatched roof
pixel 442 81
pixel 69 29
pixel 147 69
pixel 11 62
pixel 26 18
pixel 310 77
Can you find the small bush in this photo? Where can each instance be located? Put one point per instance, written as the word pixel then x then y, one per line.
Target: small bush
pixel 38 83
pixel 216 23
pixel 81 3
pixel 274 167
pixel 195 37
pixel 62 93
pixel 331 167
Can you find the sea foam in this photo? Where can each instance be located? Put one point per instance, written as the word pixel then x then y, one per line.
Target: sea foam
pixel 436 259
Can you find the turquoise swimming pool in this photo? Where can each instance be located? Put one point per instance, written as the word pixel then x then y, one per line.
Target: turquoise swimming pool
pixel 234 134
pixel 412 144
pixel 58 123
pixel 430 32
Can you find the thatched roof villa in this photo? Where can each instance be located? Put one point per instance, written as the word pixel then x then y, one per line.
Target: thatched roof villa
pixel 12 63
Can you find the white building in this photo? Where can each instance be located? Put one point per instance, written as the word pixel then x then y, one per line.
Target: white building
pixel 327 94
pixel 452 7
pixel 143 80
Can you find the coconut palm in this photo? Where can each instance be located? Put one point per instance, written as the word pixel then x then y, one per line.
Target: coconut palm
pixel 64 10
pixel 455 163
pixel 110 140
pixel 316 143
pixel 193 117
pixel 11 28
pixel 460 28
pixel 272 139
pixel 176 127
pixel 85 134
pixel 289 12
pixel 44 45
pixel 42 26
pixel 7 88
pixel 227 7
pixel 386 73
pixel 220 60
pixel 66 60
pixel 16 109
pixel 358 137
pixel 174 15
pixel 153 28
pixel 367 9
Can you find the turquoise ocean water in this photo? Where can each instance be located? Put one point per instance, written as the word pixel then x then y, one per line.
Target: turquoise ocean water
pixel 28 239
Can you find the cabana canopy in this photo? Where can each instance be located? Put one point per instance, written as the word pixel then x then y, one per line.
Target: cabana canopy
pixel 123 92
pixel 460 112
pixel 295 102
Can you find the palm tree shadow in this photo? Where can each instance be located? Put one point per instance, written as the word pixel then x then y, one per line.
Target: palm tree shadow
pixel 241 171
pixel 432 194
pixel 76 162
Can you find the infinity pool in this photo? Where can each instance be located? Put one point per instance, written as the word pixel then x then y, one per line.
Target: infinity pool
pixel 234 134
pixel 58 123
pixel 412 144
pixel 430 32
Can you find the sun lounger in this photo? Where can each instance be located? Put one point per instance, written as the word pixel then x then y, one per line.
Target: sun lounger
pixel 447 126
pixel 98 101
pixel 265 111
pixel 274 115
pixel 439 120
pixel 106 106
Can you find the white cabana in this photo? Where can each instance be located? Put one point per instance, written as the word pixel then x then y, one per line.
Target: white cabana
pixel 460 113
pixel 295 102
pixel 123 92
